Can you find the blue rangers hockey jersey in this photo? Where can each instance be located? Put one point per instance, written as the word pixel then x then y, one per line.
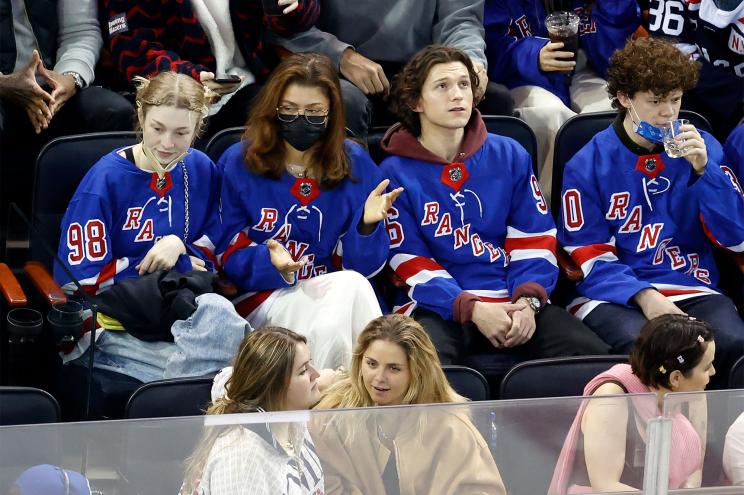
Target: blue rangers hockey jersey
pixel 118 212
pixel 480 225
pixel 318 225
pixel 634 219
pixel 734 151
pixel 516 32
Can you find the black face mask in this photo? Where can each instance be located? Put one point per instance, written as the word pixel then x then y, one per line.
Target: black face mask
pixel 300 133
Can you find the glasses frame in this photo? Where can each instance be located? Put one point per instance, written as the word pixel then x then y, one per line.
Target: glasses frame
pixel 280 115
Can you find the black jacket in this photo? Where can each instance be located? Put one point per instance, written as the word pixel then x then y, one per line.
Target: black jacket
pixel 148 305
pixel 42 15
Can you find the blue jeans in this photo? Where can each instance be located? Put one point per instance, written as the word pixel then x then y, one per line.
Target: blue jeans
pixel 619 326
pixel 203 343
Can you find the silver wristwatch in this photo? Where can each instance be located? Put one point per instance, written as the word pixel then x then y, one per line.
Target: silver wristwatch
pixel 534 303
pixel 79 82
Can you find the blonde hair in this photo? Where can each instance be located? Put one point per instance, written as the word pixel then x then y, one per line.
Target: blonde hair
pixel 428 384
pixel 261 374
pixel 173 89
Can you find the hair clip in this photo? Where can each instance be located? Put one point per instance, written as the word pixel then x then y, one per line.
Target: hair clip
pixel 701 339
pixel 681 359
pixel 662 369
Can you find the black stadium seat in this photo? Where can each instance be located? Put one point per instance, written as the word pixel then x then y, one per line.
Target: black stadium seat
pixel 518 130
pixel 467 382
pixel 221 141
pixel 170 398
pixel 60 167
pixel 555 377
pixel 25 406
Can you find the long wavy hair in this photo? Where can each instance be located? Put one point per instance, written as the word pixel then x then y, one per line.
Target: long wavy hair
pixel 261 374
pixel 428 383
pixel 264 152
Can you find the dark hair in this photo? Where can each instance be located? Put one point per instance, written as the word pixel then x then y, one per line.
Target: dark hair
pixel 668 343
pixel 406 90
pixel 649 64
pixel 265 151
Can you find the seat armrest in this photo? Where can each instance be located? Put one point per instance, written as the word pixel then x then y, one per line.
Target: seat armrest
pixel 568 267
pixel 10 288
pixel 44 283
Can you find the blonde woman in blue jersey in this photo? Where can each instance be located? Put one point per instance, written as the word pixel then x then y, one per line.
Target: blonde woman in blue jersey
pixel 145 209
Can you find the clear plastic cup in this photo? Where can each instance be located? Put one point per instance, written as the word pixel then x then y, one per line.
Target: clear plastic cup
pixel 563 27
pixel 669 132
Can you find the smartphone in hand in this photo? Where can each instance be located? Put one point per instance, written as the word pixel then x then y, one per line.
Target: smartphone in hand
pixel 227 79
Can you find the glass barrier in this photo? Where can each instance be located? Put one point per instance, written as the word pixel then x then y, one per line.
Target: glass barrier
pixel 707 433
pixel 514 447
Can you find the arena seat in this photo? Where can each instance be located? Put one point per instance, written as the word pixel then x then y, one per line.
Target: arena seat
pixel 27 445
pixel 516 129
pixel 221 141
pixel 170 398
pixel 467 382
pixel 555 377
pixel 26 406
pixel 60 167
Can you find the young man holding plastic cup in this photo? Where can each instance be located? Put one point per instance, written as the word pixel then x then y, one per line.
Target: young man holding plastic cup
pixel 639 221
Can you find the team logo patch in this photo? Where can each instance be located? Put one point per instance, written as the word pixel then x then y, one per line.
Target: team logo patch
pixel 454 175
pixel 161 185
pixel 305 190
pixel 118 24
pixel 650 165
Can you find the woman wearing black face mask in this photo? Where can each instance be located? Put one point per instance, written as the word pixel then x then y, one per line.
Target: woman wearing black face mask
pixel 299 204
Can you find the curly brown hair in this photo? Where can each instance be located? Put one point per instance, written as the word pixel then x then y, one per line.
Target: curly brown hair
pixel 264 153
pixel 407 84
pixel 649 64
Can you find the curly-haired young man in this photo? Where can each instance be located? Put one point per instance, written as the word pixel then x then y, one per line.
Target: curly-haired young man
pixel 639 222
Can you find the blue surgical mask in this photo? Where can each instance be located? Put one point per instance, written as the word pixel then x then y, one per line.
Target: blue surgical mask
pixel 644 129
